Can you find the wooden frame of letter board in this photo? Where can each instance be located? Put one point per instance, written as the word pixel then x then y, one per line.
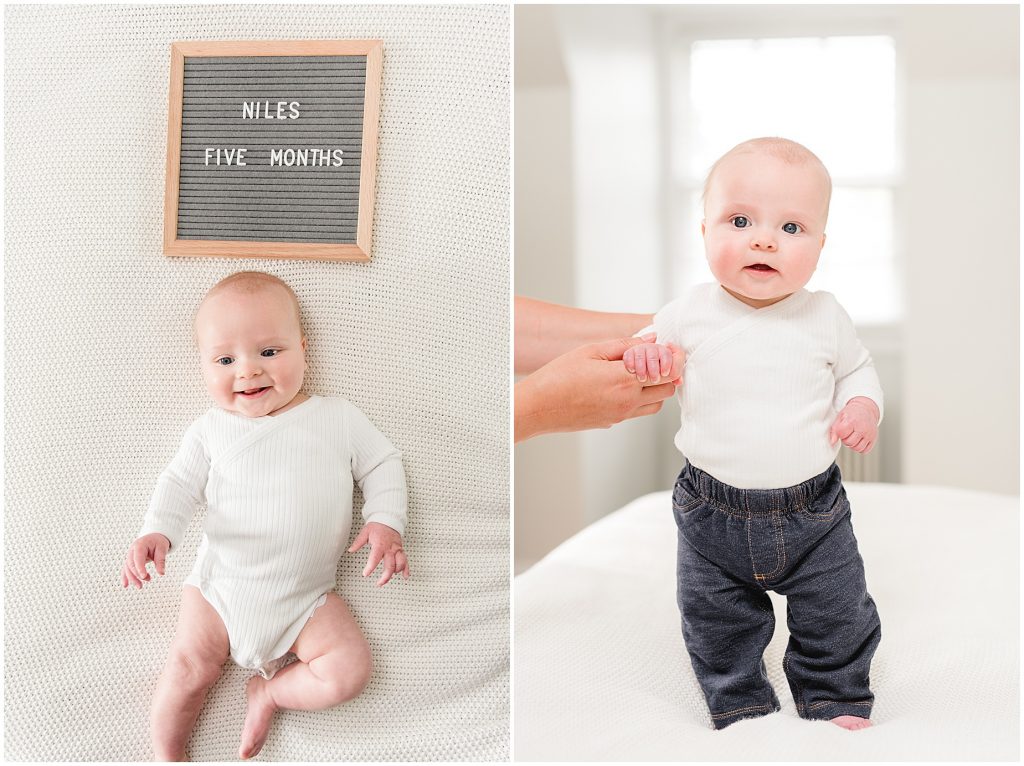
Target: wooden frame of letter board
pixel 360 251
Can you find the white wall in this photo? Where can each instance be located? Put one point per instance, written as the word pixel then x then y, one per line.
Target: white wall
pixel 544 269
pixel 962 339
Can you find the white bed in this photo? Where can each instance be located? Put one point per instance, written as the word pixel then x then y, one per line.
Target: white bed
pixel 601 672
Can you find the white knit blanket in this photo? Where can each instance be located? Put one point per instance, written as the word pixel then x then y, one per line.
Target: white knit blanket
pixel 102 379
pixel 601 672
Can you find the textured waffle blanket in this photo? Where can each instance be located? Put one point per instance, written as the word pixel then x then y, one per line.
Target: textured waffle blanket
pixel 102 379
pixel 602 673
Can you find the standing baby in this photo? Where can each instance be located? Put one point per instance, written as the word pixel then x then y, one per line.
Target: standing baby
pixel 775 378
pixel 275 469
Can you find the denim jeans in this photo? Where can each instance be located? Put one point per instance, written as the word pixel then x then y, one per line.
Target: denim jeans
pixel 734 546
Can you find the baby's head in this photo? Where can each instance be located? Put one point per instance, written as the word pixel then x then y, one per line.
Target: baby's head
pixel 765 206
pixel 251 346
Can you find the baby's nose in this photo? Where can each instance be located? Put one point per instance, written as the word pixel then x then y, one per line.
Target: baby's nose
pixel 763 243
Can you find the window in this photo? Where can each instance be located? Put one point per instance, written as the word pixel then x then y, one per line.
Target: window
pixel 835 95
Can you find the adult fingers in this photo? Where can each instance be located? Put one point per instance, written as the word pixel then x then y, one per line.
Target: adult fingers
pixel 612 350
pixel 376 554
pixel 658 393
pixel 647 409
pixel 389 568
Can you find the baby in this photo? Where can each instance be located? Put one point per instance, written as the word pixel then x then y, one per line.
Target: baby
pixel 274 467
pixel 775 378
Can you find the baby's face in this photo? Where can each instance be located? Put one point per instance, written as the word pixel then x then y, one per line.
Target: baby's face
pixel 252 352
pixel 764 225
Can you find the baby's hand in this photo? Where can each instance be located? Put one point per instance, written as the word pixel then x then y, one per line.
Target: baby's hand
pixel 650 362
pixel 856 425
pixel 385 543
pixel 152 547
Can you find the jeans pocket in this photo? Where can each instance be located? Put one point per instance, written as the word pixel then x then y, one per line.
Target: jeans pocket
pixel 826 508
pixel 684 499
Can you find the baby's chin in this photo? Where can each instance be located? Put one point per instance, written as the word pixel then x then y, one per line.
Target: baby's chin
pixel 757 298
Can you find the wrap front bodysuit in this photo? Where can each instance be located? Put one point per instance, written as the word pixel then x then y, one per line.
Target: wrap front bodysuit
pixel 278 492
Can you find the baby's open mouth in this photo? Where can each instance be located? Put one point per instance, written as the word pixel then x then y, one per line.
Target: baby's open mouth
pixel 760 267
pixel 252 392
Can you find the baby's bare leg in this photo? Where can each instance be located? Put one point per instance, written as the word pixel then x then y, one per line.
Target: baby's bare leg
pixel 193 665
pixel 333 667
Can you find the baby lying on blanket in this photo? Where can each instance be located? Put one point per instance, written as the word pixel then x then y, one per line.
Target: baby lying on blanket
pixel 775 378
pixel 275 468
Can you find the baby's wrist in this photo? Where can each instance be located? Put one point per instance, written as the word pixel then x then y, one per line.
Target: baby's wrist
pixel 867 404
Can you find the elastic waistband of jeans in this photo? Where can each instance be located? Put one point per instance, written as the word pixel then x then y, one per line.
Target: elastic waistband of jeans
pixel 762 501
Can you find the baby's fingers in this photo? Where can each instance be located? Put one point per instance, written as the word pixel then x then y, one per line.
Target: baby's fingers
pixel 653 363
pixel 361 539
pixel 402 564
pixel 376 554
pixel 128 577
pixel 640 364
pixel 627 359
pixel 389 568
pixel 665 356
pixel 139 558
pixel 159 557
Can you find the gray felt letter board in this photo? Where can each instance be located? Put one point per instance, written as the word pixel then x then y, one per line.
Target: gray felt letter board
pixel 272 148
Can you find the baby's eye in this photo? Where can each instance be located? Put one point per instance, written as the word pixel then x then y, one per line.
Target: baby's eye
pixel 792 228
pixel 739 221
pixel 270 352
pixel 225 360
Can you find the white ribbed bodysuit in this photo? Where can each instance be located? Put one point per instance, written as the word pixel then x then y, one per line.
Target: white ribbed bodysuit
pixel 762 387
pixel 278 492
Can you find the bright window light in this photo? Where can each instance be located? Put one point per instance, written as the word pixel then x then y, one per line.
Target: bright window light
pixel 835 95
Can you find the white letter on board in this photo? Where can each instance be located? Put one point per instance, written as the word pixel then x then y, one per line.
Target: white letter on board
pixel 275 157
pixel 208 150
pixel 241 157
pixel 294 107
pixel 248 109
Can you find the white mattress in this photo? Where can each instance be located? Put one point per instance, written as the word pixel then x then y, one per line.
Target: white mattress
pixel 601 672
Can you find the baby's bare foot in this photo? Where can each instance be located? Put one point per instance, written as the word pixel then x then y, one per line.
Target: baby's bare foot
pixel 257 717
pixel 851 722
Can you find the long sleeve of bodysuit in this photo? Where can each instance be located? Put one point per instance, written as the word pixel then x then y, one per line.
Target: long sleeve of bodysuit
pixel 377 467
pixel 854 371
pixel 179 490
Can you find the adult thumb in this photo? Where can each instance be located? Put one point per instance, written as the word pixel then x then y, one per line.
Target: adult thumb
pixel 612 350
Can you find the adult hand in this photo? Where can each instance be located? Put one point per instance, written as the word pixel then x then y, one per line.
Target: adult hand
pixel 588 387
